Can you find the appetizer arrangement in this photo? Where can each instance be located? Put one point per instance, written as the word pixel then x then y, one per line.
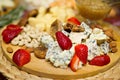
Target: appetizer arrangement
pixel 72 44
pixel 60 40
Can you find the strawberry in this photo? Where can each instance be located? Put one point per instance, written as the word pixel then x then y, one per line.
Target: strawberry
pixel 82 52
pixel 74 63
pixel 100 60
pixel 10 32
pixel 13 27
pixel 74 20
pixel 63 41
pixel 21 57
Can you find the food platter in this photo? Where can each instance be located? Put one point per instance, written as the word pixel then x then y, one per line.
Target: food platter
pixel 40 67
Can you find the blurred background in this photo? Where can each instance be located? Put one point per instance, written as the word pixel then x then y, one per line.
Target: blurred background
pixel 113 18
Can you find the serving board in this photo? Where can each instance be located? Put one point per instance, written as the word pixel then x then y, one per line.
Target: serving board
pixel 40 67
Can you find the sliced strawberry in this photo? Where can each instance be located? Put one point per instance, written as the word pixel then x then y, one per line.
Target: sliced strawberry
pixel 13 27
pixel 63 41
pixel 5 31
pixel 10 35
pixel 100 60
pixel 74 63
pixel 82 52
pixel 21 57
pixel 10 32
pixel 74 20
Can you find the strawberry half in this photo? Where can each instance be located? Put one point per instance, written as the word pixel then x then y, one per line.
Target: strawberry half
pixel 10 32
pixel 74 20
pixel 13 27
pixel 21 57
pixel 63 41
pixel 100 60
pixel 74 63
pixel 81 51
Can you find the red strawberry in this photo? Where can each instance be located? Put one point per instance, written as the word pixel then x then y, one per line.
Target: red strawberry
pixel 10 32
pixel 82 52
pixel 63 41
pixel 21 57
pixel 100 60
pixel 74 20
pixel 13 27
pixel 74 63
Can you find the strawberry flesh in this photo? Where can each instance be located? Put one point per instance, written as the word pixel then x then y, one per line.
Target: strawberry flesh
pixel 74 63
pixel 74 20
pixel 13 27
pixel 63 41
pixel 21 57
pixel 100 60
pixel 82 52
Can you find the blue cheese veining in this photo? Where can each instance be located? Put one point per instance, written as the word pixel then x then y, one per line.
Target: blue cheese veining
pixel 93 48
pixel 58 57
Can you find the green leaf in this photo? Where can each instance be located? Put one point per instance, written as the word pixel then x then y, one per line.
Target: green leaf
pixel 11 16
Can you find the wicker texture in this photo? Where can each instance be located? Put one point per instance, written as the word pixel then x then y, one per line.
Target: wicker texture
pixel 13 73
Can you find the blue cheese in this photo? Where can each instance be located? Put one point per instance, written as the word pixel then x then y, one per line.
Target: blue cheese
pixel 105 47
pixel 93 48
pixel 63 59
pixel 46 39
pixel 88 30
pixel 57 56
pixel 53 49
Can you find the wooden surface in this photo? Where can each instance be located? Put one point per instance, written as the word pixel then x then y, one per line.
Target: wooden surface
pixel 42 68
pixel 13 73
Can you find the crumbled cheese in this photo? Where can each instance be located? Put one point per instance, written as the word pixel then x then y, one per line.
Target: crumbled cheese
pixel 98 34
pixel 29 37
pixel 88 30
pixel 52 50
pixel 63 59
pixel 93 48
pixel 46 39
pixel 105 47
pixel 58 57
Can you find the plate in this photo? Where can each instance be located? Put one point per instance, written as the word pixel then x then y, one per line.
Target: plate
pixel 40 67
